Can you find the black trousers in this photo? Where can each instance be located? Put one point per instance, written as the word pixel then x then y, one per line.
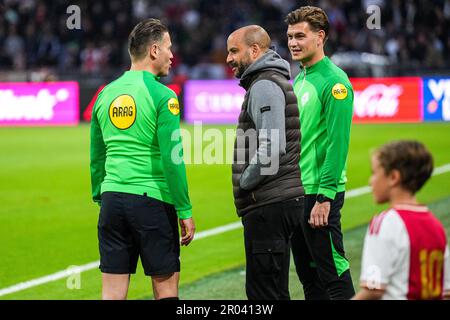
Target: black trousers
pixel 267 233
pixel 319 255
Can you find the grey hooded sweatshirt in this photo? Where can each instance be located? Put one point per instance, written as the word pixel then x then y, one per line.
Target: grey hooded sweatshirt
pixel 266 108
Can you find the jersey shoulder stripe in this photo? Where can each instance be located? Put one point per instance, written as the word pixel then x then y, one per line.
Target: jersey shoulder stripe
pixel 375 223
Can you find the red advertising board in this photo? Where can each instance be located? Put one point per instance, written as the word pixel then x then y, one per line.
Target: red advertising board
pixel 387 99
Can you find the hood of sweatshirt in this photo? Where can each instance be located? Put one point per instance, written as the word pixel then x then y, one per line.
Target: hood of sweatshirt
pixel 268 61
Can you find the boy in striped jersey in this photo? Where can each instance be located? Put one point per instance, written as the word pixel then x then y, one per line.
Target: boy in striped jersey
pixel 405 253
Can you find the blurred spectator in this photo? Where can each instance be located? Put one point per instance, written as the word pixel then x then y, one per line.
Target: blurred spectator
pixel 14 47
pixel 49 48
pixel 92 58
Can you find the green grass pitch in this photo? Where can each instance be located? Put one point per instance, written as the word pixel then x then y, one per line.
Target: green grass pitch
pixel 49 223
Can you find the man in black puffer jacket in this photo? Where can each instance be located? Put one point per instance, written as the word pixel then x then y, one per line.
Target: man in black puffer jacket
pixel 268 193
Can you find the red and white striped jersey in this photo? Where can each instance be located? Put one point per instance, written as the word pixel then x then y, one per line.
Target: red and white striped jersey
pixel 406 253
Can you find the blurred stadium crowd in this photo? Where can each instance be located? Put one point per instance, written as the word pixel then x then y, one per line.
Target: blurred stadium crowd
pixel 414 34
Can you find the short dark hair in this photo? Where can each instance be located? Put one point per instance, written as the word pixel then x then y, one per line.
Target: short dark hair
pixel 411 158
pixel 315 16
pixel 143 35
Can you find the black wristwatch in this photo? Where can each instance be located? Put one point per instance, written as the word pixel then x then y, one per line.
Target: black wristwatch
pixel 321 198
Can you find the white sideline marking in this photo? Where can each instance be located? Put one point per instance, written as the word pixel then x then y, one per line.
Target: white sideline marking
pixel 357 192
pixel 218 230
pixel 203 234
pixel 52 277
pixel 442 169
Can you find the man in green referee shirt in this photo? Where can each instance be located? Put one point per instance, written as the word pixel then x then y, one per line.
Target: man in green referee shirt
pixel 138 181
pixel 325 101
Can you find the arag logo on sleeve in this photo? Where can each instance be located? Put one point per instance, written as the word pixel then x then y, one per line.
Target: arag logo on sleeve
pixel 339 91
pixel 122 112
pixel 174 106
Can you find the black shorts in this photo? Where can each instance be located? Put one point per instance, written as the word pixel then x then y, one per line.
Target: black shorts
pixel 132 225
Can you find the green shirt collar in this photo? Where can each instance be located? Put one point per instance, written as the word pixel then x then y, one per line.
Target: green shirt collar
pixel 316 66
pixel 140 72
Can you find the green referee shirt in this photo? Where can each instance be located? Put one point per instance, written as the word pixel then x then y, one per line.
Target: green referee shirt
pixel 325 101
pixel 136 143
